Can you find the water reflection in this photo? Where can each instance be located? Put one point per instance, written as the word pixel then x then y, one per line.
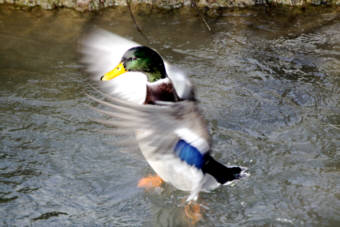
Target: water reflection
pixel 268 86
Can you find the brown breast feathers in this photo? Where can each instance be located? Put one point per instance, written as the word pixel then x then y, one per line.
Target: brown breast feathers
pixel 161 92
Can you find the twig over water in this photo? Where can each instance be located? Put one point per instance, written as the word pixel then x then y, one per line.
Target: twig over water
pixel 193 3
pixel 135 22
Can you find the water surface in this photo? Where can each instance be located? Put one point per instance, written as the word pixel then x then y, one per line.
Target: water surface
pixel 268 84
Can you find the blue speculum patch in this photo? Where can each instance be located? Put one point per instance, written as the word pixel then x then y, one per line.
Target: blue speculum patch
pixel 189 154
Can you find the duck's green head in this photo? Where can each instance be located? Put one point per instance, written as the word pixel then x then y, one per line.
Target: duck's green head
pixel 139 59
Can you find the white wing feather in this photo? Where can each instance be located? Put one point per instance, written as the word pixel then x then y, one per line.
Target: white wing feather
pixel 182 84
pixel 101 52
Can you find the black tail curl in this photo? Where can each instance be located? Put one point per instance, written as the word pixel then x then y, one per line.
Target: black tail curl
pixel 220 172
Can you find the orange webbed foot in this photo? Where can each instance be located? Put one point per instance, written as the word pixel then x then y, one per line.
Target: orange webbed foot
pixel 193 212
pixel 150 182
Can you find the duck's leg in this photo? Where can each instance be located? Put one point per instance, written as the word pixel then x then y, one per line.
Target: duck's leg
pixel 150 182
pixel 193 212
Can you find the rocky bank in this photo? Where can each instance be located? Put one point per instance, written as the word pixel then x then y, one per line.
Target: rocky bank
pixel 92 5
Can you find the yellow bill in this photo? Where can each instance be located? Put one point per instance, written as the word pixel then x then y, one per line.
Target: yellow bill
pixel 114 73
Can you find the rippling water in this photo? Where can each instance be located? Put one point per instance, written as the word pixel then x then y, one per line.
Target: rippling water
pixel 268 84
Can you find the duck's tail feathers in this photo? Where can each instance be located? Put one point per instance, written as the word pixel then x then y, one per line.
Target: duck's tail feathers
pixel 223 174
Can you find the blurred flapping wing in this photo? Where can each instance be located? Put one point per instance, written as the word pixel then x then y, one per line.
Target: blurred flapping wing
pixel 161 126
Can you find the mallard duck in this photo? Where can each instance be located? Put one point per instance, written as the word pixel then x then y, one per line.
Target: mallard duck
pixel 161 110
